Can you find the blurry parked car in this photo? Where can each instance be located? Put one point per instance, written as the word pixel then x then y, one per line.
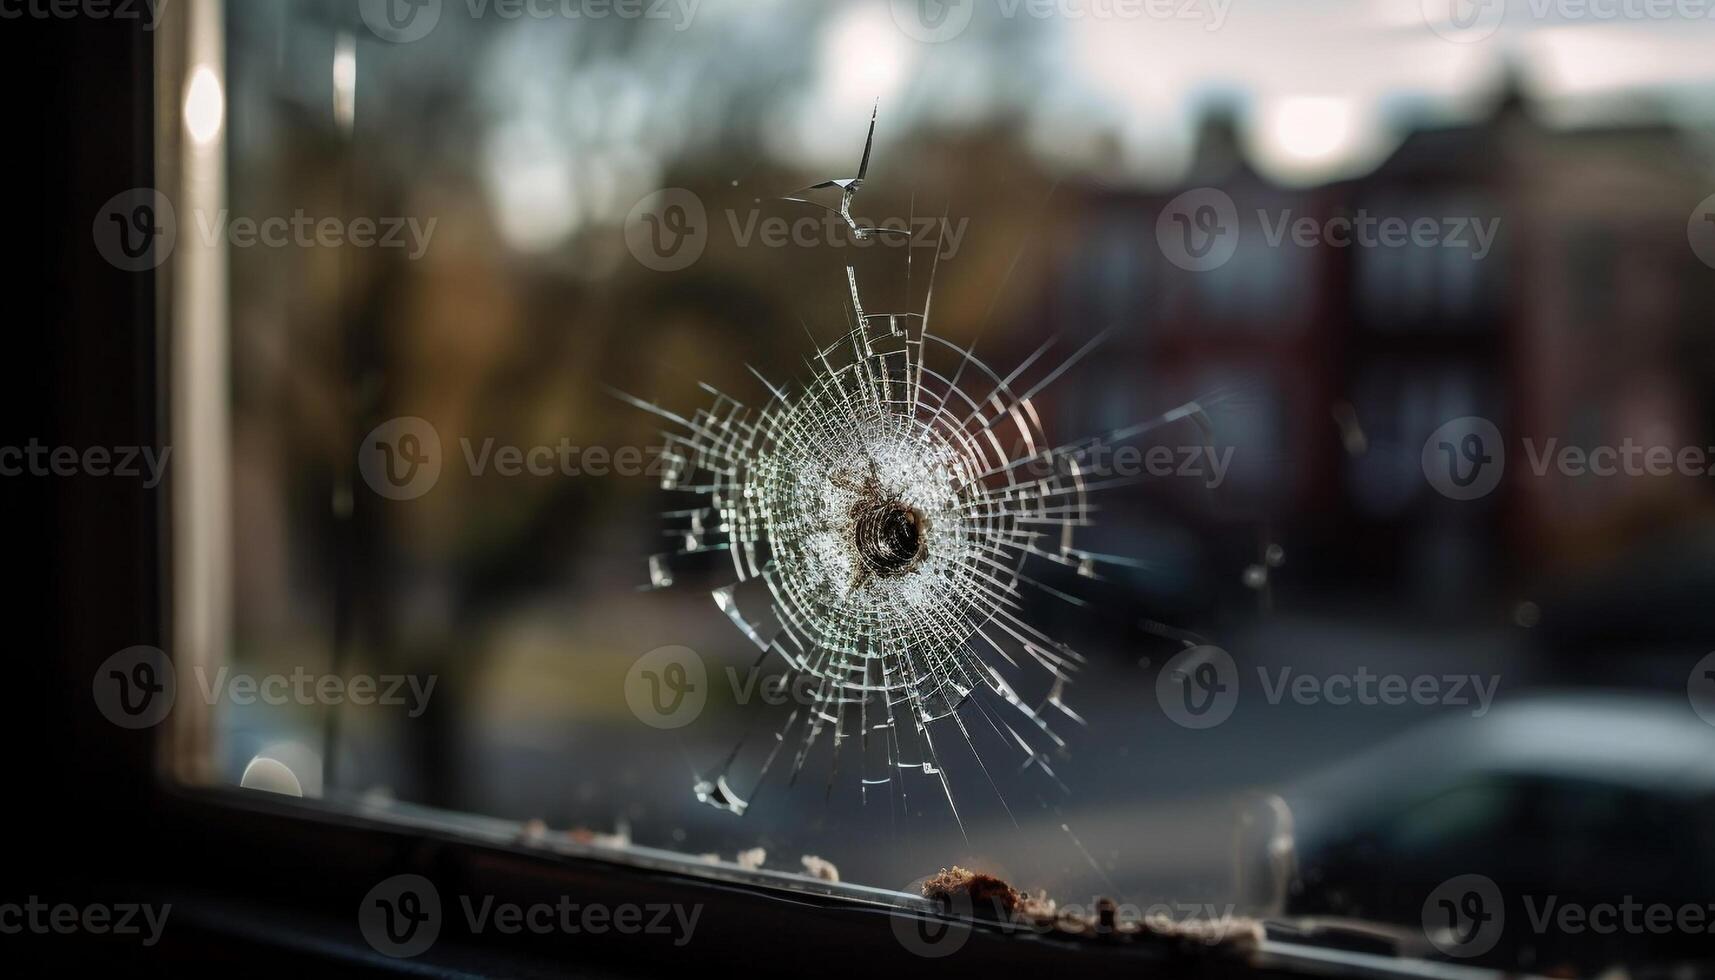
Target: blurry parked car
pixel 1594 817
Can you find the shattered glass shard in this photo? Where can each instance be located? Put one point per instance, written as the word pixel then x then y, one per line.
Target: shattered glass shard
pixel 719 795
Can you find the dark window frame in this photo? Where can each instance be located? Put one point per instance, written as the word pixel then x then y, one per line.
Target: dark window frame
pixel 270 884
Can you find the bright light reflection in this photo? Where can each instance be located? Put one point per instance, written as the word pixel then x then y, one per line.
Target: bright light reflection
pixel 271 776
pixel 1311 129
pixel 345 81
pixel 205 106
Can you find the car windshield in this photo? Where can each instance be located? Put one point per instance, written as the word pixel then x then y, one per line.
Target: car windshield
pixel 856 441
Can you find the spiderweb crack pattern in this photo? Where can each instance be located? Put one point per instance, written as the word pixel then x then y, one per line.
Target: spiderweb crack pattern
pixel 879 520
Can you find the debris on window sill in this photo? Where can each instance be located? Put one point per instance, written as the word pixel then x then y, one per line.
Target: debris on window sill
pixel 820 868
pixel 983 896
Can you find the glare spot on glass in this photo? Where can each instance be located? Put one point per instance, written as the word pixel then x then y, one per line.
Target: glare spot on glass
pixel 1311 128
pixel 288 765
pixel 345 81
pixel 205 106
pixel 530 184
pixel 271 776
pixel 864 56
